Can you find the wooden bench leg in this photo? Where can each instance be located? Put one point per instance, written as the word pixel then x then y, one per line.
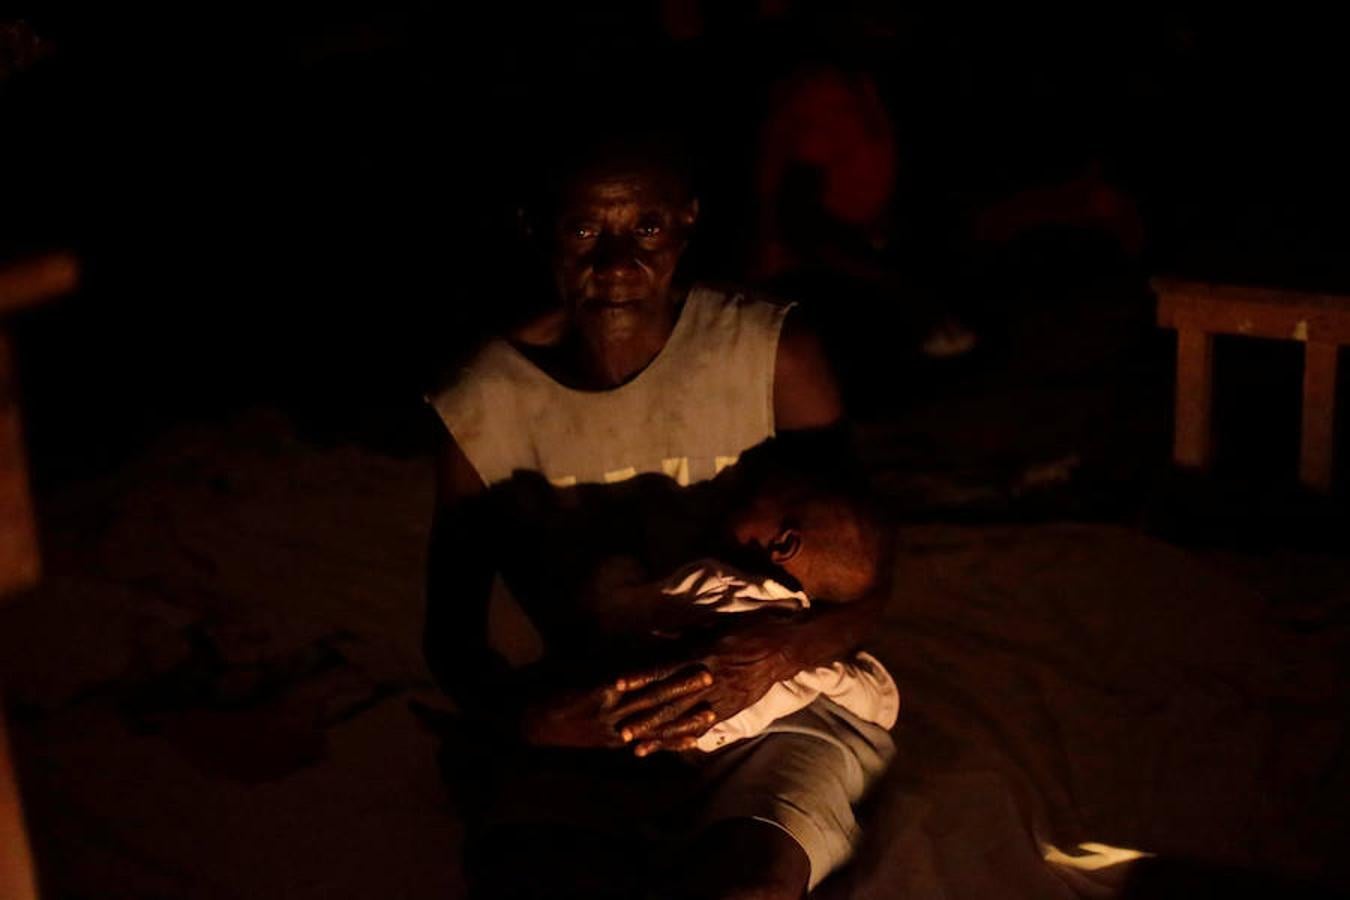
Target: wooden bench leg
pixel 1191 446
pixel 1319 415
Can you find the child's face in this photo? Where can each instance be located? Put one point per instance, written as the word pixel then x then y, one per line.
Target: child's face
pixel 761 529
pixel 820 540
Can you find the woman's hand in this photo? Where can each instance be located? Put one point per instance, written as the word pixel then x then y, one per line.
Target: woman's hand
pixel 609 715
pixel 743 665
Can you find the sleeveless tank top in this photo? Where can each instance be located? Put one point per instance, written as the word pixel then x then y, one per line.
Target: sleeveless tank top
pixel 705 398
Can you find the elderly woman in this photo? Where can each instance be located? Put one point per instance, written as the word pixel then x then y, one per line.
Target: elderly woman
pixel 634 380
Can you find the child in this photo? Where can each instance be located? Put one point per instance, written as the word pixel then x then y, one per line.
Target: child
pixel 818 545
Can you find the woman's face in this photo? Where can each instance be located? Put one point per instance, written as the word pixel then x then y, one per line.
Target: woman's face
pixel 618 239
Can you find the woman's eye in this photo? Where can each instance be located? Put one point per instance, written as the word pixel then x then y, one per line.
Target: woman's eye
pixel 583 232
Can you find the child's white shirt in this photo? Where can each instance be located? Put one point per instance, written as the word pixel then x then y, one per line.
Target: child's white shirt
pixel 860 684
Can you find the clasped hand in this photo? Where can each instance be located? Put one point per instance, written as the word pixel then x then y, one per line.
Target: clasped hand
pixel 670 706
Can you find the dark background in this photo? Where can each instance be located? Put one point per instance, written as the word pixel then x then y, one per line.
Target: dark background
pixel 310 205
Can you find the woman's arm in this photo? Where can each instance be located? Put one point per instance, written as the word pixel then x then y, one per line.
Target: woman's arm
pixel 537 704
pixel 805 391
pixel 808 406
pixel 461 565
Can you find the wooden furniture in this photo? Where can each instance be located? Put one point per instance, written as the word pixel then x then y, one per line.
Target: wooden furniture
pixel 22 285
pixel 1198 311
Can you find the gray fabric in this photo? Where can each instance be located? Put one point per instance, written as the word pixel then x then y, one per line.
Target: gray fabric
pixel 706 398
pixel 805 774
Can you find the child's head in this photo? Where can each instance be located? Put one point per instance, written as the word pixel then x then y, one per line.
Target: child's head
pixel 810 527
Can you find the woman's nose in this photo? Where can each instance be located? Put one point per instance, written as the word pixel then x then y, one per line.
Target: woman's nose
pixel 615 255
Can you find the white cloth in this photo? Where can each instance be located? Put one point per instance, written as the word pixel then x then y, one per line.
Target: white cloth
pixel 860 684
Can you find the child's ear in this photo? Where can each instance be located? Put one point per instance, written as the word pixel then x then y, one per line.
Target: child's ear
pixel 786 545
